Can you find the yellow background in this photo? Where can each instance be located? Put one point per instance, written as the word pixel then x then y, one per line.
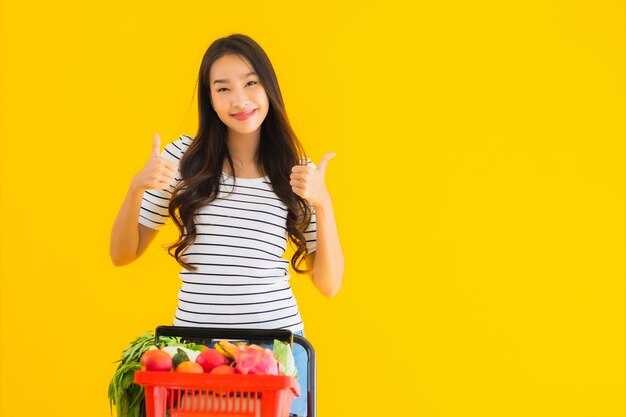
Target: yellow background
pixel 478 186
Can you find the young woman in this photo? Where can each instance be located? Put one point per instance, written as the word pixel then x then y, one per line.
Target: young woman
pixel 238 192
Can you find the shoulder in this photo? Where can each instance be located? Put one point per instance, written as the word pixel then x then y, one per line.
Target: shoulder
pixel 176 149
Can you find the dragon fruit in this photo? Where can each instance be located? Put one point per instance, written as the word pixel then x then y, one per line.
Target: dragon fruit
pixel 254 359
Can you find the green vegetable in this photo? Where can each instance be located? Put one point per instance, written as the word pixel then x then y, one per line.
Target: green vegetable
pixel 179 357
pixel 284 356
pixel 127 396
pixel 194 346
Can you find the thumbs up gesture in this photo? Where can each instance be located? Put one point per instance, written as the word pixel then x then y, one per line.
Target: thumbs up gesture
pixel 158 173
pixel 309 183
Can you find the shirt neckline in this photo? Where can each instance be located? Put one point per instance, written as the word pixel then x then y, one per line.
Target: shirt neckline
pixel 246 180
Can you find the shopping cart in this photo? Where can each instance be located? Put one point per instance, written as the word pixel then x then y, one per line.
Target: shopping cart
pixel 177 394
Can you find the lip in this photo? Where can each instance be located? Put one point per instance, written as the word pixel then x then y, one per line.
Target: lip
pixel 244 115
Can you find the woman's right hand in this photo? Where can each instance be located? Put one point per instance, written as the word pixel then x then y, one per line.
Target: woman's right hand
pixel 128 238
pixel 158 173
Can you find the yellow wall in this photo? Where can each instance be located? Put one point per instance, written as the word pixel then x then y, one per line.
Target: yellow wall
pixel 478 185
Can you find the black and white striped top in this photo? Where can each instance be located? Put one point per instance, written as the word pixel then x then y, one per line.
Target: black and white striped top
pixel 242 278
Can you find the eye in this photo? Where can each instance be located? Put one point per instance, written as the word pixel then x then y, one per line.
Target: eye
pixel 219 90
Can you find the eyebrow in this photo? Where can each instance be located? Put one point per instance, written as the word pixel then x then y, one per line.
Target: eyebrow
pixel 242 77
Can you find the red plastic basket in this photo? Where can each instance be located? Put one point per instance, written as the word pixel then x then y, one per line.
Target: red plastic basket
pixel 178 394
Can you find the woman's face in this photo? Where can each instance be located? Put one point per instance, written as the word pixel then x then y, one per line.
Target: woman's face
pixel 237 95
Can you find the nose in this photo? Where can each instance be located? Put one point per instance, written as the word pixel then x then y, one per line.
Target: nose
pixel 240 101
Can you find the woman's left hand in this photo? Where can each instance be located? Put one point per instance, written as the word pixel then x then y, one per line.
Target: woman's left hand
pixel 309 183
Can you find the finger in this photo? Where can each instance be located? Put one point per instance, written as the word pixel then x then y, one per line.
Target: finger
pixel 170 164
pixel 164 179
pixel 159 173
pixel 167 166
pixel 300 168
pixel 156 184
pixel 298 190
pixel 165 186
pixel 166 173
pixel 324 162
pixel 298 175
pixel 156 145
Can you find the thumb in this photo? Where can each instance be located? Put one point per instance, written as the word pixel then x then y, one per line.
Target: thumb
pixel 156 145
pixel 324 162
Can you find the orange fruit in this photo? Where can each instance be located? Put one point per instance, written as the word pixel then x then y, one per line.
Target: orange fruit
pixel 223 369
pixel 190 367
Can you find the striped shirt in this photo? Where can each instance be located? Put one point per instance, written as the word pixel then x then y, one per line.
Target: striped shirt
pixel 242 278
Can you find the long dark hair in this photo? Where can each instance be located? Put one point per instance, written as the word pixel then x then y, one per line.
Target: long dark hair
pixel 201 165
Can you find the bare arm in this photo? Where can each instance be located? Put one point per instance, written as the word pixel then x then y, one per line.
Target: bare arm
pixel 129 239
pixel 327 261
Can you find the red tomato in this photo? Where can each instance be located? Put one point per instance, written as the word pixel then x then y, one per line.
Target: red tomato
pixel 210 358
pixel 156 360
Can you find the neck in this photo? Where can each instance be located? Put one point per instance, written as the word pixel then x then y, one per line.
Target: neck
pixel 242 148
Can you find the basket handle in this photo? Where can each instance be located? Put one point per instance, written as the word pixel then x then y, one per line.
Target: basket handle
pixel 312 379
pixel 256 335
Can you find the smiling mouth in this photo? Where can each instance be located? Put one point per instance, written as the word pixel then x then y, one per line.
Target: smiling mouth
pixel 244 115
